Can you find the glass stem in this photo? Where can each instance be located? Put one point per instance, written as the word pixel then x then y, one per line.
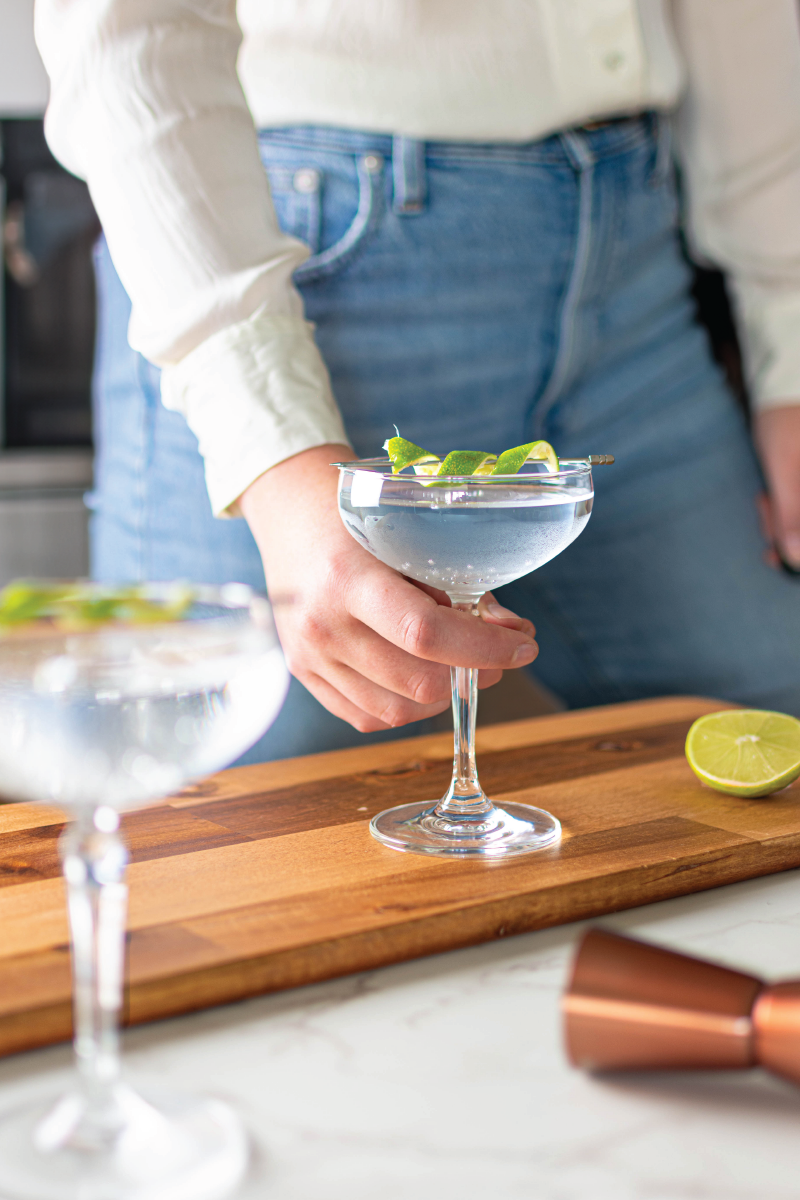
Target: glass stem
pixel 465 797
pixel 94 858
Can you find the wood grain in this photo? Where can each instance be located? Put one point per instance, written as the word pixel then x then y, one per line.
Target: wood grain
pixel 265 877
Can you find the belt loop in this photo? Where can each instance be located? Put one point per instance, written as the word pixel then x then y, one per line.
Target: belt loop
pixel 663 162
pixel 408 175
pixel 577 149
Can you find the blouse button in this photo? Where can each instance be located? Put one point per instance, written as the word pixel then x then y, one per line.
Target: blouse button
pixel 613 60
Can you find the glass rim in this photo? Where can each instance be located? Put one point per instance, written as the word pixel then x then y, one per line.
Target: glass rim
pixel 576 467
pixel 221 600
pixel 229 595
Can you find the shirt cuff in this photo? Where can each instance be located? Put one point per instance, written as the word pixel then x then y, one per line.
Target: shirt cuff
pixel 253 394
pixel 769 323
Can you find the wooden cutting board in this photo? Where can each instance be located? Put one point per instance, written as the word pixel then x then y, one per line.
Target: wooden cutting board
pixel 265 877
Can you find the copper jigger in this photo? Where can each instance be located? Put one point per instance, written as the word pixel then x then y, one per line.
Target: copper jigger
pixel 633 1006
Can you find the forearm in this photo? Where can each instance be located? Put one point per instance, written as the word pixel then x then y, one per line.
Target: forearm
pixel 147 106
pixel 739 146
pixel 295 500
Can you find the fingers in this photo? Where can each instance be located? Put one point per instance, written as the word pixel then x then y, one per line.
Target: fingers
pixel 425 682
pixel 338 704
pixel 379 684
pixel 494 614
pixel 381 709
pixel 439 596
pixel 771 557
pixel 777 435
pixel 365 653
pixel 784 509
pixel 389 703
pixel 371 646
pixel 411 619
pixel 389 683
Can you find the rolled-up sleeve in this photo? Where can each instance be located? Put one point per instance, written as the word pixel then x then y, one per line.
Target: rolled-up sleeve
pixel 146 106
pixel 739 144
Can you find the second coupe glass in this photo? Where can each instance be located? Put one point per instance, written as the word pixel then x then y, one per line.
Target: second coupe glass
pixel 99 718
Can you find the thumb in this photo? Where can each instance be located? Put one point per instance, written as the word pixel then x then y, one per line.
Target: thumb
pixel 767 529
pixel 777 435
pixel 786 522
pixel 784 509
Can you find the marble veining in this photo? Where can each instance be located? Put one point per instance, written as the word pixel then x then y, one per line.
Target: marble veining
pixel 445 1079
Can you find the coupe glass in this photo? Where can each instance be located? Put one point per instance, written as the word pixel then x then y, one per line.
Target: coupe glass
pixel 465 535
pixel 95 721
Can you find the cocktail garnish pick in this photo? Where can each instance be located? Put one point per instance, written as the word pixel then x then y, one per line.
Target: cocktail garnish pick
pixel 403 454
pixel 631 1006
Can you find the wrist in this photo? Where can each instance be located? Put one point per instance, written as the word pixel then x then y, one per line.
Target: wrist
pixel 295 498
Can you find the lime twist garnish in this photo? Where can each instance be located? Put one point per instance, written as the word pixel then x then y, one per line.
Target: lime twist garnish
pixel 75 606
pixel 468 462
pixel 745 752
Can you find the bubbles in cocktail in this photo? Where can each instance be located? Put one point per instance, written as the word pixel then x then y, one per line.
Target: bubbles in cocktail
pixel 474 545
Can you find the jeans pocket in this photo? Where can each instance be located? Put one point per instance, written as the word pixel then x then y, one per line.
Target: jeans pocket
pixel 296 194
pixel 332 202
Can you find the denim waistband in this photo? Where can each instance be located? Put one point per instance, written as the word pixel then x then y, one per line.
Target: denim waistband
pixel 617 136
pixel 408 157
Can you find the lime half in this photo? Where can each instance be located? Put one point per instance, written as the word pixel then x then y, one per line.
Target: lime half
pixel 745 751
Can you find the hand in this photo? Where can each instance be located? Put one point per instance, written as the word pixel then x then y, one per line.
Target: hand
pixel 372 646
pixel 776 432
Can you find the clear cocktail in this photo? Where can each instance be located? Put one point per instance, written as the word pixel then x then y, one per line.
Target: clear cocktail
pixel 465 535
pixel 100 715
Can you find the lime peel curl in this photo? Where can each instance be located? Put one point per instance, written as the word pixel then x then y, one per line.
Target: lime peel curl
pixel 405 454
pixel 74 607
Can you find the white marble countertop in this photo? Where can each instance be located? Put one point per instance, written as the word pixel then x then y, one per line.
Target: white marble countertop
pixel 445 1078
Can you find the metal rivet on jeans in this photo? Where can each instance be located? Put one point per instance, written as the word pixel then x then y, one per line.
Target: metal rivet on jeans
pixel 306 180
pixel 373 162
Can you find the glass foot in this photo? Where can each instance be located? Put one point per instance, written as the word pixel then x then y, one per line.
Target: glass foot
pixel 499 833
pixel 165 1147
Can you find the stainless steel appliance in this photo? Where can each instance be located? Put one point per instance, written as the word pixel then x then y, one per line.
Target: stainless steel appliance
pixel 47 320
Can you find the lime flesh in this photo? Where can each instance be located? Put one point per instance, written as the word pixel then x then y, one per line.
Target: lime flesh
pixel 745 752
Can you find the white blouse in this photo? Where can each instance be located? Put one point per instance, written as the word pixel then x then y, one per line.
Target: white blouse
pixel 147 106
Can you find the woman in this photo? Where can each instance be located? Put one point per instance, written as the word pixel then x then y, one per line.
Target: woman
pixel 478 209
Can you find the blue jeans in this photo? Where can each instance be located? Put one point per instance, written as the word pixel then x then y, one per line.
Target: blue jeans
pixel 480 296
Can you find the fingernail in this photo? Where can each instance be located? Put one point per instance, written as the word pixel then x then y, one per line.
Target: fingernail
pixel 496 610
pixel 524 654
pixel 791 549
